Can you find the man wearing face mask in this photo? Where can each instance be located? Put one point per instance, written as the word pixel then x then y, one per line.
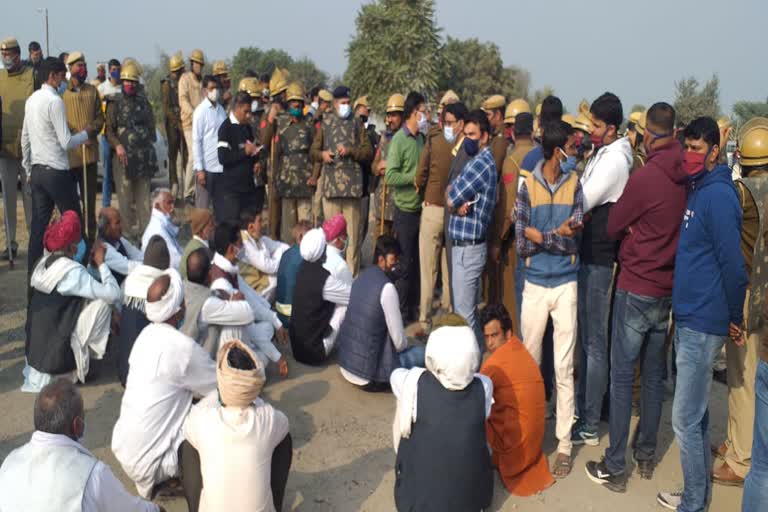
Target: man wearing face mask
pixel 101 75
pixel 432 177
pixel 17 83
pixel 34 61
pixel 107 89
pixel 190 96
pixel 383 214
pixel 45 140
pixel 362 112
pixel 83 105
pixel 206 120
pixel 708 311
pixel 324 107
pixel 221 73
pixel 277 120
pixel 162 223
pixel 131 131
pixel 342 146
pixel 54 471
pixel 493 107
pixel 177 146
pixel 515 107
pixel 255 88
pixel 402 166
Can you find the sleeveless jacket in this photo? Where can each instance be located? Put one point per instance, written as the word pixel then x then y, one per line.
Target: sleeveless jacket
pixel 295 167
pixel 310 314
pixel 343 178
pixel 445 465
pixel 136 131
pixel 365 348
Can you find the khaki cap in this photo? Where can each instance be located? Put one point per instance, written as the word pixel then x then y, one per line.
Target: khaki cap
pixel 494 102
pixel 75 57
pixel 9 43
pixel 101 65
pixel 583 123
pixel 634 117
pixel 361 101
pixel 251 85
pixel 640 123
pixel 129 72
pixel 197 56
pixel 176 62
pixel 295 91
pixel 449 97
pixel 220 68
pixel 278 82
pixel 515 107
pixel 325 95
pixel 395 103
pixel 568 118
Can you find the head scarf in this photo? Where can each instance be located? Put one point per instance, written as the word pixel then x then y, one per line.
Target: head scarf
pixel 312 245
pixel 453 356
pixel 66 231
pixel 334 227
pixel 170 303
pixel 238 388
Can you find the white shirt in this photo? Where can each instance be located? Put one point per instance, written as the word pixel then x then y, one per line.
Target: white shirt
pixel 107 89
pixel 337 265
pixel 167 369
pixel 606 174
pixel 264 255
pixel 117 262
pixel 206 120
pixel 160 224
pixel 45 135
pixel 235 447
pixel 103 491
pixel 71 279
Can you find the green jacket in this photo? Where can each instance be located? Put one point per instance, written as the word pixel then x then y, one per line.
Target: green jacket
pixel 402 163
pixel 193 245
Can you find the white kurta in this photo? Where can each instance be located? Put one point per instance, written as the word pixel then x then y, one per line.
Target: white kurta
pixel 337 265
pixel 160 224
pixel 167 369
pixel 264 255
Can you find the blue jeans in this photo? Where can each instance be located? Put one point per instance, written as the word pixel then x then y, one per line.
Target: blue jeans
pixel 638 321
pixel 106 180
pixel 412 357
pixel 756 486
pixel 594 309
pixel 467 264
pixel 690 415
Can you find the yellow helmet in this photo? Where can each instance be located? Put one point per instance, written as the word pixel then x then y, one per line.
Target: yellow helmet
pixel 220 68
pixel 251 85
pixel 278 82
pixel 640 123
pixel 515 107
pixel 538 110
pixel 396 103
pixel 295 91
pixel 176 63
pixel 197 56
pixel 129 72
pixel 583 123
pixel 753 142
pixel 361 101
pixel 130 61
pixel 568 118
pixel 634 117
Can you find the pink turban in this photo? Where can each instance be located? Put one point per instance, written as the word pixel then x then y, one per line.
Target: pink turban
pixel 64 232
pixel 334 227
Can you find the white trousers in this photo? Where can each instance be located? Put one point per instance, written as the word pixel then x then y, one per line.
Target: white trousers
pixel 336 320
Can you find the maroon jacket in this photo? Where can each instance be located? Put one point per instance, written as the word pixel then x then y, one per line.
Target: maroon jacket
pixel 647 219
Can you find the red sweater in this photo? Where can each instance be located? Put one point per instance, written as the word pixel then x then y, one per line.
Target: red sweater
pixel 647 219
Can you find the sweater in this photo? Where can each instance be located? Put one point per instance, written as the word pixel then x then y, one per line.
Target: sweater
pixel 238 167
pixel 434 164
pixel 15 88
pixel 710 273
pixel 83 106
pixel 402 163
pixel 190 96
pixel 193 245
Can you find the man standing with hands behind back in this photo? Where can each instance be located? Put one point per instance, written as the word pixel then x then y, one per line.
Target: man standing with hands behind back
pixel 190 96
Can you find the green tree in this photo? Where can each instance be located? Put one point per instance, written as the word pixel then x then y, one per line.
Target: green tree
pixel 307 73
pixel 395 49
pixel 303 70
pixel 475 70
pixel 539 95
pixel 693 100
pixel 746 110
pixel 153 76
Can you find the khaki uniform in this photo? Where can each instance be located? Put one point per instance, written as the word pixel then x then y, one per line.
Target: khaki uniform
pixel 83 106
pixel 190 96
pixel 268 135
pixel 492 277
pixel 130 123
pixel 294 170
pixel 173 130
pixel 343 177
pixel 379 194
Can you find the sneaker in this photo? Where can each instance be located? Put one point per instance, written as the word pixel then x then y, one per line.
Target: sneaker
pixel 598 473
pixel 644 467
pixel 670 500
pixel 580 435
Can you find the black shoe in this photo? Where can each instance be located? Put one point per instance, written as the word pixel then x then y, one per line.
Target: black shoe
pixel 14 251
pixel 721 376
pixel 598 473
pixel 644 467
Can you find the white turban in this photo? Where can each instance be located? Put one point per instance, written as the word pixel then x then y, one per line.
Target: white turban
pixel 453 356
pixel 170 303
pixel 312 245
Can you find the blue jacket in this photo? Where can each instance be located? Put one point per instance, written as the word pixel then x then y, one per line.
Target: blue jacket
pixel 710 273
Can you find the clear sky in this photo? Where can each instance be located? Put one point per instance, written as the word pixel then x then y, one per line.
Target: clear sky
pixel 635 49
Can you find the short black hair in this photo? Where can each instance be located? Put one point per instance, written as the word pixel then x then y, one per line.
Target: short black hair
pixel 34 46
pixel 479 118
pixel 385 244
pixel 457 110
pixel 314 91
pixel 51 65
pixel 607 108
pixel 225 235
pixel 704 128
pixel 412 102
pixel 555 135
pixel 208 79
pixel 63 56
pixel 56 407
pixel 248 215
pixel 497 312
pixel 523 124
pixel 113 62
pixel 662 116
pixel 240 360
pixel 242 98
pixel 198 265
pixel 551 110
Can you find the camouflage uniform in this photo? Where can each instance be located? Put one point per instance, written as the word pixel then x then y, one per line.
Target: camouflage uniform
pixel 173 132
pixel 268 138
pixel 378 193
pixel 294 169
pixel 638 158
pixel 130 123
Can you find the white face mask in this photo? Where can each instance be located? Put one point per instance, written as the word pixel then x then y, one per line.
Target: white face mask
pixel 448 134
pixel 314 105
pixel 344 110
pixel 213 95
pixel 423 123
pixel 254 106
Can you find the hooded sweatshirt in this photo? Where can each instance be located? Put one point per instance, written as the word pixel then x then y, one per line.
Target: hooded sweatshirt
pixel 710 272
pixel 646 219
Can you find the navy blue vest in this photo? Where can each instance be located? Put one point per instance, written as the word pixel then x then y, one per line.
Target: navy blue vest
pixel 364 347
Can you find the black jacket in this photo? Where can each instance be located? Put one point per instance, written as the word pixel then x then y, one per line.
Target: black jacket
pixel 238 167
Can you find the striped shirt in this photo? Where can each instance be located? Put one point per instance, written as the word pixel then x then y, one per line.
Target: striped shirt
pixel 475 184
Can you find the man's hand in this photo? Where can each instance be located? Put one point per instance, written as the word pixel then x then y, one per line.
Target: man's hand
pixel 327 157
pixel 250 148
pixel 282 366
pixel 200 178
pixel 534 235
pixel 274 109
pixel 91 131
pixel 238 295
pixel 282 335
pixel 569 228
pixel 257 168
pixel 312 181
pixel 341 150
pixel 737 334
pixel 88 143
pixel 463 210
pixel 381 168
pixel 98 252
pixel 495 253
pixel 122 156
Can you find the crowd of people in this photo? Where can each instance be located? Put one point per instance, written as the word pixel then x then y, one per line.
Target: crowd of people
pixel 544 258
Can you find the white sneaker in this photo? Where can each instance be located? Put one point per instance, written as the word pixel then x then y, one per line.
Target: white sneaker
pixel 670 500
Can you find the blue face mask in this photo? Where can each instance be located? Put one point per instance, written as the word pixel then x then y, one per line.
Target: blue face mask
pixel 62 87
pixel 448 134
pixel 115 75
pixel 80 255
pixel 568 165
pixel 295 112
pixel 471 146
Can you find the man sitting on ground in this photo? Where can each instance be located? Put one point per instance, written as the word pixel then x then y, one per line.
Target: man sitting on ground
pixel 261 255
pixel 337 238
pixel 161 223
pixel 372 339
pixel 121 256
pixel 319 304
pixel 287 272
pixel 442 456
pixel 167 369
pixel 515 429
pixel 242 442
pixel 53 471
pixel 201 222
pixel 69 312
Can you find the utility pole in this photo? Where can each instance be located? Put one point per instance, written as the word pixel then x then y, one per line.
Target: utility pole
pixel 44 12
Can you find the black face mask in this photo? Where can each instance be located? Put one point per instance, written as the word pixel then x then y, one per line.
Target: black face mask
pixel 363 119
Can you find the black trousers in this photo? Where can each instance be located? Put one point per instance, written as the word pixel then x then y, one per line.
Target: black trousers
pixel 50 187
pixel 87 201
pixel 192 479
pixel 406 228
pixel 229 202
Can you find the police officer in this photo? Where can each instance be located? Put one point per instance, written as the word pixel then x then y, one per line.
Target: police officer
pixel 393 120
pixel 169 87
pixel 324 105
pixel 515 107
pixel 635 133
pixel 190 96
pixel 255 89
pixel 342 145
pixel 131 131
pixel 363 111
pixel 494 109
pixel 277 120
pixel 221 72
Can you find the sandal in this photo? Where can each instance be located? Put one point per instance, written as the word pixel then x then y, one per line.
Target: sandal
pixel 562 466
